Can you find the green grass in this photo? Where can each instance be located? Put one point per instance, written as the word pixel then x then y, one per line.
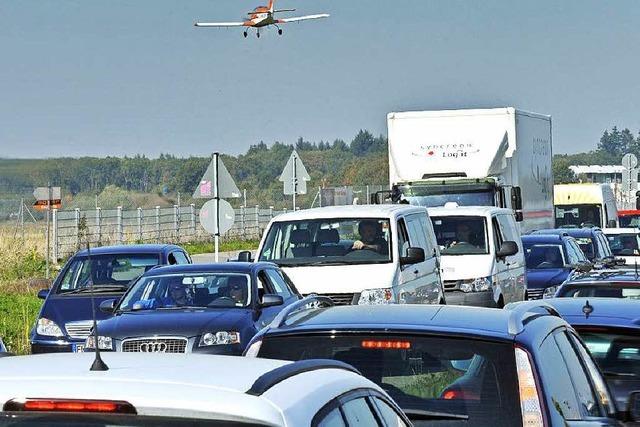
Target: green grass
pixel 19 312
pixel 205 247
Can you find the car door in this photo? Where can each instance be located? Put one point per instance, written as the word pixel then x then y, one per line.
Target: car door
pixel 280 286
pixel 513 265
pixel 420 282
pixel 264 286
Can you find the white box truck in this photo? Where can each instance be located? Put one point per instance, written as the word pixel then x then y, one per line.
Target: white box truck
pixel 485 157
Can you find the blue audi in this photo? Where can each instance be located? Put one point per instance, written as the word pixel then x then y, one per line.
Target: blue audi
pixel 65 318
pixel 203 308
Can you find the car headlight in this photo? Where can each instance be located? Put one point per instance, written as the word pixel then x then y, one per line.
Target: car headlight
pixel 376 297
pixel 253 349
pixel 549 292
pixel 104 343
pixel 48 327
pixel 479 284
pixel 219 338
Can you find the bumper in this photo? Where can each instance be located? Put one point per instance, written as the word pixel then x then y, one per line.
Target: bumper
pixel 45 346
pixel 476 299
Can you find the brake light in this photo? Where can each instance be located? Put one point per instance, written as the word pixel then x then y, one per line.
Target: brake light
pixel 396 345
pixel 459 394
pixel 529 400
pixel 70 405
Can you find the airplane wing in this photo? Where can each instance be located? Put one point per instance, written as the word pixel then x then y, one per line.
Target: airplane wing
pixel 303 18
pixel 219 24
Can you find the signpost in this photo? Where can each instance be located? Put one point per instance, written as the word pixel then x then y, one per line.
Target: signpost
pixel 48 198
pixel 629 176
pixel 218 214
pixel 295 177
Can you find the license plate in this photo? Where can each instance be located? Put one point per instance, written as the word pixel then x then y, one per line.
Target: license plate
pixel 78 348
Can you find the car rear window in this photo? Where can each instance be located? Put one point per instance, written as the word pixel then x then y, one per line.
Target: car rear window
pixel 465 377
pixel 605 290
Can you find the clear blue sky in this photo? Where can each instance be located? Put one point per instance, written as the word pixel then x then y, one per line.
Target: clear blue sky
pixel 120 77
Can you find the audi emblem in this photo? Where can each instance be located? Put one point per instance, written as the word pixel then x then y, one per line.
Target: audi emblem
pixel 153 347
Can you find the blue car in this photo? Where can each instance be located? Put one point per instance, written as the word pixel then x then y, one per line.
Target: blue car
pixel 611 330
pixel 204 308
pixel 454 365
pixel 592 241
pixel 65 318
pixel 551 260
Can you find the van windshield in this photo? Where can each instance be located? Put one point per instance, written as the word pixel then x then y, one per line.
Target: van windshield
pixel 473 198
pixel 328 241
pixel 578 216
pixel 461 235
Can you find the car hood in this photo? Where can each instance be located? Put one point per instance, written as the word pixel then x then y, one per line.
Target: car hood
pixel 186 322
pixel 327 279
pixel 543 278
pixel 73 308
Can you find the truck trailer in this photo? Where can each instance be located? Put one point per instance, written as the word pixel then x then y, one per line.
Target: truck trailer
pixel 481 157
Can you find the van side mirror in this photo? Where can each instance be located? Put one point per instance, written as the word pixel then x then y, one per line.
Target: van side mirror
pixel 43 293
pixel 516 199
pixel 379 197
pixel 519 216
pixel 245 256
pixel 270 300
pixel 414 256
pixel 508 248
pixel 612 223
pixel 633 406
pixel 108 306
pixel 637 199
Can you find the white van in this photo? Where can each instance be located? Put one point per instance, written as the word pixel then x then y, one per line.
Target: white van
pixel 585 205
pixel 366 254
pixel 625 244
pixel 481 252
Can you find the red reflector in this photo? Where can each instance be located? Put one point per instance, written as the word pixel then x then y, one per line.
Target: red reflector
pixel 450 394
pixel 403 345
pixel 459 394
pixel 70 405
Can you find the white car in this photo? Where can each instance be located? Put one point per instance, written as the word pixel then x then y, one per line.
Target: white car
pixel 168 389
pixel 624 243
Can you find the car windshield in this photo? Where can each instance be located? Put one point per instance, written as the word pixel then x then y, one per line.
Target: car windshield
pixel 603 289
pixel 475 198
pixel 328 241
pixel 629 221
pixel 573 216
pixel 586 244
pixel 461 235
pixel 624 244
pixel 616 353
pixel 465 377
pixel 541 256
pixel 101 270
pixel 188 290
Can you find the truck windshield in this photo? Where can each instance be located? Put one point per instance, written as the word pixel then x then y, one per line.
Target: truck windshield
pixel 475 198
pixel 461 235
pixel 578 216
pixel 328 241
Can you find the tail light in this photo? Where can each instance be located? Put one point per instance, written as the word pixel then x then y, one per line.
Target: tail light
pixel 386 344
pixel 70 405
pixel 530 404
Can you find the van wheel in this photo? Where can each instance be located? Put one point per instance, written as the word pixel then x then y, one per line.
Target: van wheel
pixel 500 302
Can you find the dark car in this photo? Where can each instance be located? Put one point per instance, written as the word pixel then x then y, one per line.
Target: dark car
pixel 65 318
pixel 604 283
pixel 454 365
pixel 205 308
pixel 592 241
pixel 611 330
pixel 551 259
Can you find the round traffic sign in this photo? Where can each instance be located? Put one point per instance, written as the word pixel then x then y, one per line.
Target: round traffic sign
pixel 208 216
pixel 629 161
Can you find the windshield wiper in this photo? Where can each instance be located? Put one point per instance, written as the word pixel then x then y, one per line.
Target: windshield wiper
pixel 618 374
pixel 419 414
pixel 96 289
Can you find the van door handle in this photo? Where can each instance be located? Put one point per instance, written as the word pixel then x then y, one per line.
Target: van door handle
pixel 416 271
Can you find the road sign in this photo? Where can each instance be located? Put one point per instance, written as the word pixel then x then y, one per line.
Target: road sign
pixel 226 185
pixel 629 161
pixel 295 176
pixel 47 197
pixel 208 217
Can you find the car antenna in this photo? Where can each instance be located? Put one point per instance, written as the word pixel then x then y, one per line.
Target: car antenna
pixel 98 364
pixel 587 309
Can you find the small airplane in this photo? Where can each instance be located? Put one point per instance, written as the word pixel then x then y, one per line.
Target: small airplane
pixel 262 16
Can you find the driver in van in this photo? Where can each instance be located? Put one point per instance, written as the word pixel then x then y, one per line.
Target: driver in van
pixel 371 237
pixel 463 234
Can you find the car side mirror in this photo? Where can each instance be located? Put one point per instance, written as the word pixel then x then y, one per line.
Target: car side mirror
pixel 414 256
pixel 519 216
pixel 108 306
pixel 245 256
pixel 620 261
pixel 43 293
pixel 507 248
pixel 633 406
pixel 583 267
pixel 516 199
pixel 270 300
pixel 612 223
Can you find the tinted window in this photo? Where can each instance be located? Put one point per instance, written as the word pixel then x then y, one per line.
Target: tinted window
pixel 559 394
pixel 418 234
pixel 604 245
pixel 507 228
pixel 459 376
pixel 403 238
pixel 358 413
pixel 180 257
pixel 578 216
pixel 587 247
pixel 389 415
pixel 278 283
pixel 461 235
pixel 332 419
pixel 616 353
pixel 541 256
pixel 427 229
pixel 604 290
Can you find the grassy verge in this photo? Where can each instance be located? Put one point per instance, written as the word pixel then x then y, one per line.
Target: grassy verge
pixel 205 247
pixel 19 312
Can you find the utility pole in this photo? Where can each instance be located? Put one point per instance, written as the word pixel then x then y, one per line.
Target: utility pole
pixel 48 226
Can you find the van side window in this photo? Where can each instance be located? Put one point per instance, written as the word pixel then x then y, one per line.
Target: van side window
pixel 403 238
pixel 427 228
pixel 497 236
pixel 507 228
pixel 418 234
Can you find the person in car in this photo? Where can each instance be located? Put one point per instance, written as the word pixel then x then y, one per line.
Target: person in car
pixel 371 237
pixel 552 259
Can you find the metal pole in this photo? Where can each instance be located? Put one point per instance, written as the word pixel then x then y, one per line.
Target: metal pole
pixel 48 231
pixel 216 198
pixel 176 220
pixel 158 224
pixel 320 196
pixel 119 224
pixel 140 225
pixel 76 216
pixel 192 207
pixel 55 235
pixel 22 217
pixel 294 181
pixel 244 193
pixel 99 225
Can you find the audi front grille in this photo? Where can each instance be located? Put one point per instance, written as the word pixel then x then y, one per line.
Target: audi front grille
pixel 155 345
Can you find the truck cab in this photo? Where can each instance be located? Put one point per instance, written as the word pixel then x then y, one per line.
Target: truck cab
pixel 585 205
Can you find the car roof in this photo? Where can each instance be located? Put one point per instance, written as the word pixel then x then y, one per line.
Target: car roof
pixel 349 211
pixel 603 276
pixel 545 238
pixel 129 249
pixel 627 230
pixel 573 232
pixel 468 211
pixel 487 322
pixel 191 385
pixel 220 267
pixel 620 312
